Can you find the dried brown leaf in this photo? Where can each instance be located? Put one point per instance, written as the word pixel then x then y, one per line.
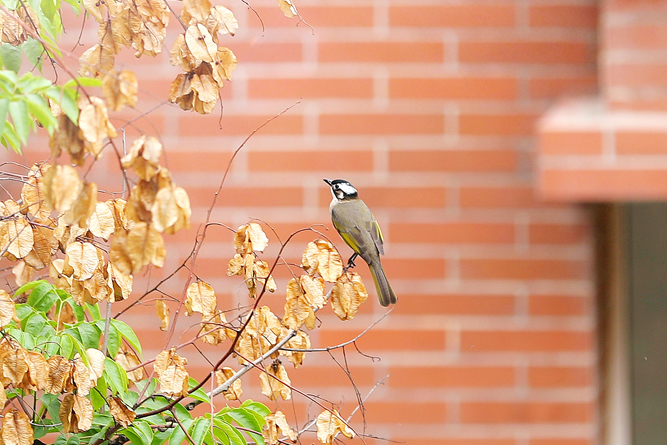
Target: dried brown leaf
pixel 121 413
pixel 83 207
pixel 83 259
pixel 59 372
pixel 275 382
pixel 32 192
pixel 171 372
pixel 200 297
pixel 277 422
pixel 200 43
pixel 62 187
pixel 128 360
pixel 321 256
pixel 235 391
pixel 120 89
pixel 16 429
pixel 163 314
pixel 347 295
pixel 329 424
pixel 288 8
pixel 299 341
pixel 76 413
pixel 96 362
pixel 7 309
pixel 297 307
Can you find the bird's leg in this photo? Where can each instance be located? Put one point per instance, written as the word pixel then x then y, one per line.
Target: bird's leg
pixel 350 262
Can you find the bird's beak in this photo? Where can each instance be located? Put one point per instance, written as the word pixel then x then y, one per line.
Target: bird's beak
pixel 328 181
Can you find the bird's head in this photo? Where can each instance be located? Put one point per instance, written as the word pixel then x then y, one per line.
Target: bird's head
pixel 341 189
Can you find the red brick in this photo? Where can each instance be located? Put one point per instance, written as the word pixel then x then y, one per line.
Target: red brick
pixel 454 88
pixel 525 412
pixel 247 197
pixel 513 124
pixel 636 36
pixel 382 52
pixel 603 185
pixel 526 341
pixel 321 16
pixel 455 441
pixel 311 161
pixel 405 412
pixel 311 376
pixel 335 88
pixel 453 160
pixel 451 376
pixel 381 124
pixel 496 197
pixel 432 268
pixel 191 161
pixel 570 142
pixel 395 197
pixel 518 51
pixel 523 269
pixel 457 304
pixel 542 233
pixel 486 15
pixel 563 305
pixel 641 143
pixel 382 339
pixel 639 75
pixel 559 377
pixel 563 16
pixel 562 441
pixel 192 124
pixel 259 51
pixel 459 232
pixel 554 87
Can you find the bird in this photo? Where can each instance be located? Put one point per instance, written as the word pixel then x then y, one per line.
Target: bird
pixel 357 226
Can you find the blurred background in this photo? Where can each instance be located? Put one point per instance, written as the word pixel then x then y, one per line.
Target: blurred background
pixel 499 144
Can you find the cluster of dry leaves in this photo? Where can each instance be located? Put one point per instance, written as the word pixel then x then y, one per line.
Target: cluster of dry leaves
pixel 30 371
pixel 142 24
pixel 11 31
pixel 83 226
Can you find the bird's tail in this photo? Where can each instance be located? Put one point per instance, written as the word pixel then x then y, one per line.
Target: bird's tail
pixel 385 294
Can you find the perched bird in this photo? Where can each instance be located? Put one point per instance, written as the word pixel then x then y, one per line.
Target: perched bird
pixel 359 229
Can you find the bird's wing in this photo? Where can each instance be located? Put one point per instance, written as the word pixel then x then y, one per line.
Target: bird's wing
pixel 376 234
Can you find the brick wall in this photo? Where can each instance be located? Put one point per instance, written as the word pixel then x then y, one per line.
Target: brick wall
pixel 429 108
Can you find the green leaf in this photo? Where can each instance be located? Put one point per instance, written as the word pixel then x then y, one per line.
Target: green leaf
pixel 11 57
pixel 84 82
pixel 30 84
pixel 41 111
pixel 66 98
pixel 251 420
pixel 66 346
pixel 90 335
pixel 33 324
pixel 18 110
pixel 78 310
pixel 23 310
pixel 10 138
pixel 77 343
pixel 235 436
pixel 178 435
pixel 4 109
pixel 198 430
pixel 133 435
pixel 33 50
pixel 144 430
pixel 42 296
pixel 257 407
pixel 116 377
pixel 200 394
pixel 94 311
pixel 127 333
pixel 29 286
pixel 97 394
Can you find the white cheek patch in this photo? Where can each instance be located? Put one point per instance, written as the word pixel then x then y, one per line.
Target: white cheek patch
pixel 347 189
